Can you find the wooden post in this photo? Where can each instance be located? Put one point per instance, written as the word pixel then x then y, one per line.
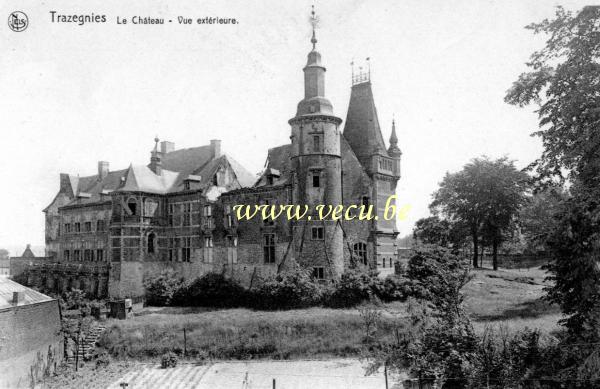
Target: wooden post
pixel 184 343
pixel 77 348
pixel 386 377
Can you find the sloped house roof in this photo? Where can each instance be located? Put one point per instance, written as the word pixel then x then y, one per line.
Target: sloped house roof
pixel 29 296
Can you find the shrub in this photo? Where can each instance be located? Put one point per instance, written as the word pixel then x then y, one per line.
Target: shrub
pixel 211 290
pixel 290 290
pixel 392 288
pixel 161 288
pixel 102 359
pixel 354 287
pixel 169 359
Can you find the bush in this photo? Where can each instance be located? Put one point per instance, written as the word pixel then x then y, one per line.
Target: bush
pixel 102 359
pixel 288 291
pixel 353 288
pixel 212 290
pixel 392 288
pixel 169 359
pixel 161 288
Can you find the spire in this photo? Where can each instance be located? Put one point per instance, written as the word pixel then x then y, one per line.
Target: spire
pixel 314 101
pixel 394 151
pixel 155 161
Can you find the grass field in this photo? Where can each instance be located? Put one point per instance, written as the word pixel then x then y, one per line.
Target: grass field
pixel 510 297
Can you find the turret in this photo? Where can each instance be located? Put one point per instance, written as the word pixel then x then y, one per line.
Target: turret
pixel 155 159
pixel 316 164
pixel 394 150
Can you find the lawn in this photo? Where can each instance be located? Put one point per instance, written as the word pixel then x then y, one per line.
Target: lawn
pixel 509 297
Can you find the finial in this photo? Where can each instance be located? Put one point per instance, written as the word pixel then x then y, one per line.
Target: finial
pixel 156 140
pixel 314 20
pixel 393 137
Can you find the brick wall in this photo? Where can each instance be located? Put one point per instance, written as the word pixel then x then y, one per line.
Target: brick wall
pixel 31 345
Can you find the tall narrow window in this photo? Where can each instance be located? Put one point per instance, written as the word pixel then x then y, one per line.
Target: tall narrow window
pixel 100 225
pixel 360 252
pixel 151 242
pixel 187 214
pixel 99 255
pixel 87 226
pixel 66 255
pixel 67 228
pixel 364 201
pixel 170 214
pixel 77 228
pixel 208 221
pixel 208 245
pixel 316 143
pixel 173 249
pixel 316 179
pixel 76 256
pixel 232 249
pixel 269 248
pixel 186 249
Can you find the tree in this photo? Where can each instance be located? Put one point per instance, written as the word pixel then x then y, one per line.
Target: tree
pixel 538 218
pixel 563 80
pixel 4 253
pixel 485 196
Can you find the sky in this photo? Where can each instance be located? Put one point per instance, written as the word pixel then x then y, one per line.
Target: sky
pixel 73 95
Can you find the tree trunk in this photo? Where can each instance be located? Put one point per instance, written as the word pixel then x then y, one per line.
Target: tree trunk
pixel 495 254
pixel 475 249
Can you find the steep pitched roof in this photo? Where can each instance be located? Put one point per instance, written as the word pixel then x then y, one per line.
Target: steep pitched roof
pixel 362 124
pixel 187 161
pixel 278 159
pixel 28 253
pixel 141 179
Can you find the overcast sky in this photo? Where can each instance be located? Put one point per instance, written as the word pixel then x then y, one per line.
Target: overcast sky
pixel 73 95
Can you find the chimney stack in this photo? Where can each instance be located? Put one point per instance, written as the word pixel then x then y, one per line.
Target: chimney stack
pixel 18 297
pixel 166 147
pixel 102 169
pixel 215 146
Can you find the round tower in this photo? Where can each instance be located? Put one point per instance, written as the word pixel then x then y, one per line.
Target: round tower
pixel 317 172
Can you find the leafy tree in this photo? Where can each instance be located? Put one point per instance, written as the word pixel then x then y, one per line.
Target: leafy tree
pixel 538 218
pixel 563 80
pixel 4 253
pixel 485 196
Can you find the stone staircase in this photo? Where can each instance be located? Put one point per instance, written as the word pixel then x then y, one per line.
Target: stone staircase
pixel 87 344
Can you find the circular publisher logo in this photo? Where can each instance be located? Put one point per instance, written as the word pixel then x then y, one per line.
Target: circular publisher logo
pixel 18 21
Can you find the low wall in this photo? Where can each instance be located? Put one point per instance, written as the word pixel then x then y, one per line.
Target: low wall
pixel 31 344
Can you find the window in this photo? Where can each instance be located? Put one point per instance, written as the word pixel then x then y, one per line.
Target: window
pixel 268 221
pixel 316 143
pixel 100 255
pixel 232 243
pixel 208 245
pixel 318 273
pixel 208 215
pixel 186 249
pixel 269 248
pixel 364 201
pixel 100 225
pixel 360 252
pixel 170 214
pixel 173 249
pixel 87 226
pixel 76 255
pixel 66 255
pixel 87 255
pixel 187 214
pixel 77 228
pixel 67 228
pixel 317 233
pixel 132 206
pixel 316 180
pixel 186 185
pixel 383 262
pixel 269 179
pixel 151 242
pixel 391 263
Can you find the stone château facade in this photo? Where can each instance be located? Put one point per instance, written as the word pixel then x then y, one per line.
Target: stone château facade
pixel 106 232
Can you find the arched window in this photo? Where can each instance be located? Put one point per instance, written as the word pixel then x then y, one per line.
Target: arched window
pixel 151 238
pixel 360 252
pixel 132 205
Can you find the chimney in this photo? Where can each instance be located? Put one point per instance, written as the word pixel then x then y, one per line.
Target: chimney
pixel 155 162
pixel 18 297
pixel 215 146
pixel 166 147
pixel 102 169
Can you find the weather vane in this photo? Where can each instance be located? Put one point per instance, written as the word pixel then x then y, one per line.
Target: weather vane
pixel 314 21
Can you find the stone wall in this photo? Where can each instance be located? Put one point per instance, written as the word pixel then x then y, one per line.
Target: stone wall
pixel 31 345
